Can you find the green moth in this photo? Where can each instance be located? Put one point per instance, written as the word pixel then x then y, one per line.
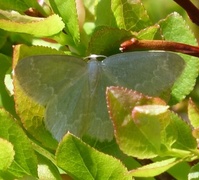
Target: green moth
pixel 73 90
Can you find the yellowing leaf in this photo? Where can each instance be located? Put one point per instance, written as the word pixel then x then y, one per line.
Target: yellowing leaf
pixel 41 27
pixel 6 154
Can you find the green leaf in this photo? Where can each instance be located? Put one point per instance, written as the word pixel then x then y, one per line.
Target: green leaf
pixel 130 15
pixel 122 14
pixel 194 172
pixel 5 63
pixel 3 37
pixel 90 6
pixel 20 6
pixel 31 113
pixel 106 40
pixel 104 14
pixel 144 128
pixel 146 118
pixel 6 154
pixel 83 162
pixel 185 140
pixel 68 12
pixel 175 29
pixel 180 171
pixel 16 17
pixel 148 33
pixel 6 101
pixel 37 27
pixel 47 170
pixel 131 139
pixel 24 162
pixel 155 168
pixel 149 109
pixel 193 113
pixel 113 149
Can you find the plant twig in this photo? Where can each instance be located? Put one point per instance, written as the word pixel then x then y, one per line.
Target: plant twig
pixel 140 45
pixel 191 10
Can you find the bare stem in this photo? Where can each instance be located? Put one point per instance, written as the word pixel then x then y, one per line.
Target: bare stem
pixel 140 45
pixel 191 10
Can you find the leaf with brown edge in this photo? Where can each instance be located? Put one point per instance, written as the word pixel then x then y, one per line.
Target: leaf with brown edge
pixel 144 127
pixel 130 138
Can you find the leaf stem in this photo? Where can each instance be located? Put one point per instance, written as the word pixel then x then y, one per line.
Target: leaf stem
pixel 135 44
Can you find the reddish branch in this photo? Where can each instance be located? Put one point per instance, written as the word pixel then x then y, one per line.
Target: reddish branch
pixel 191 10
pixel 135 44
